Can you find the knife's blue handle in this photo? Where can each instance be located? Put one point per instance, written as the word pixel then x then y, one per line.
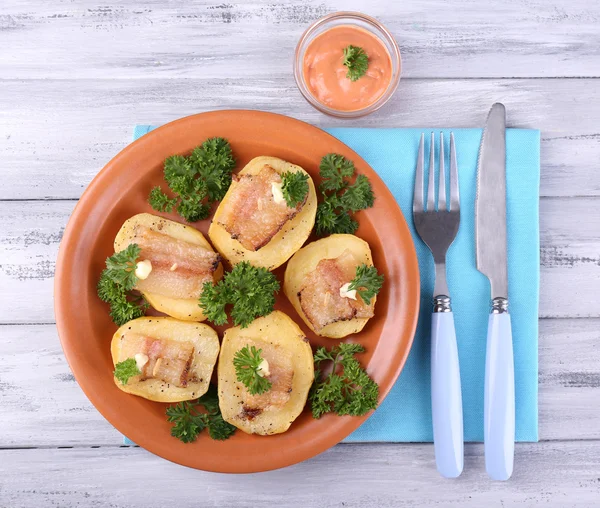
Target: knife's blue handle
pixel 446 397
pixel 499 405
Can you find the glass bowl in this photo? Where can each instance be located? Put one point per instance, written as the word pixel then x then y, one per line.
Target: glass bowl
pixel 353 19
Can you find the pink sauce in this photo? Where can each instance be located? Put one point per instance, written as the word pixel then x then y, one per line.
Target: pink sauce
pixel 325 72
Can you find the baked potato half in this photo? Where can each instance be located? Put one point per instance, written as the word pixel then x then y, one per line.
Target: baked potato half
pixel 164 242
pixel 302 267
pixel 276 249
pixel 291 372
pixel 176 358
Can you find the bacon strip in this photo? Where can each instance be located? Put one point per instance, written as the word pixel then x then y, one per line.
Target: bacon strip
pixel 252 217
pixel 320 294
pixel 176 284
pixel 193 265
pixel 168 360
pixel 281 375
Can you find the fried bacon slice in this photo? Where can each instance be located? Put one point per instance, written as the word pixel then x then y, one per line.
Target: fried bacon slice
pixel 179 268
pixel 320 294
pixel 252 216
pixel 168 360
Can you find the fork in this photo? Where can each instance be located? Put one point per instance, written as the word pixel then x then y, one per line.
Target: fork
pixel 437 228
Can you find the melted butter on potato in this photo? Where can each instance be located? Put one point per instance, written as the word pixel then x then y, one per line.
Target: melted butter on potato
pixel 346 292
pixel 277 191
pixel 263 369
pixel 141 360
pixel 143 269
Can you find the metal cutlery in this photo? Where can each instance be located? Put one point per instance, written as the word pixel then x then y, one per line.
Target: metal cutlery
pixel 437 227
pixel 491 251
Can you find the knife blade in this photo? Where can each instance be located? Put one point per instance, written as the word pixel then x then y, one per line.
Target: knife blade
pixel 491 254
pixel 490 203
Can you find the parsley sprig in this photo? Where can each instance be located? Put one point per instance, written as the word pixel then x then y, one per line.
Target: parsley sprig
pixel 160 201
pixel 125 370
pixel 214 161
pixel 189 421
pixel 247 362
pixel 341 196
pixel 348 389
pixel 247 292
pixel 294 187
pixel 116 284
pixel 197 181
pixel 367 282
pixel 357 62
pixel 120 267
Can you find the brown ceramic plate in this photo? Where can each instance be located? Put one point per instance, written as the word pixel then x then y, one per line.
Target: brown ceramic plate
pixel 120 190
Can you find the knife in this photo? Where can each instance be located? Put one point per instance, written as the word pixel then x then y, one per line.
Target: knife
pixel 491 252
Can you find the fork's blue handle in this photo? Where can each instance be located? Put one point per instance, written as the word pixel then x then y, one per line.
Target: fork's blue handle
pixel 499 401
pixel 446 397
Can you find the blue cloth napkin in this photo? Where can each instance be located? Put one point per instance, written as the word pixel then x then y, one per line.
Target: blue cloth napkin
pixel 405 415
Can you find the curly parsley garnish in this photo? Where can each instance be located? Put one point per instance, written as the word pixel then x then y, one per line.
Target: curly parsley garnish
pixel 357 61
pixel 160 201
pixel 367 282
pixel 116 283
pixel 248 291
pixel 348 390
pixel 214 162
pixel 125 370
pixel 247 362
pixel 197 181
pixel 341 196
pixel 294 187
pixel 189 421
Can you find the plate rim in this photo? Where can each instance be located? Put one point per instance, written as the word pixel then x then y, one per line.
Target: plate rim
pixel 61 307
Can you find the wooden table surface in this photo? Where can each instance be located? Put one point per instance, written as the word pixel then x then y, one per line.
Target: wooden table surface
pixel 75 76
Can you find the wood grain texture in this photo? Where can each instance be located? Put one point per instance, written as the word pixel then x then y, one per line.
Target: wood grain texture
pixel 357 476
pixel 41 404
pixel 46 407
pixel 75 76
pixel 31 232
pixel 64 131
pixel 220 40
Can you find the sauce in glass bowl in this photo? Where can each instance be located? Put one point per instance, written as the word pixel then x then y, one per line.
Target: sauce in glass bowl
pixel 327 77
pixel 347 64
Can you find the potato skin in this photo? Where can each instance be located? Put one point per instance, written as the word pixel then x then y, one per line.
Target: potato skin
pixel 306 260
pixel 206 351
pixel 277 328
pixel 186 309
pixel 287 241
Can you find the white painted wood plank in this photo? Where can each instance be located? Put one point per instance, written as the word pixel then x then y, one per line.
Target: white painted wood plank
pixel 365 476
pixel 569 257
pixel 142 39
pixel 42 405
pixel 56 135
pixel 31 232
pixel 569 379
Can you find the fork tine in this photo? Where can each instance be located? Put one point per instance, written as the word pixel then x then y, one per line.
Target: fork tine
pixel 442 177
pixel 454 192
pixel 430 187
pixel 419 182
